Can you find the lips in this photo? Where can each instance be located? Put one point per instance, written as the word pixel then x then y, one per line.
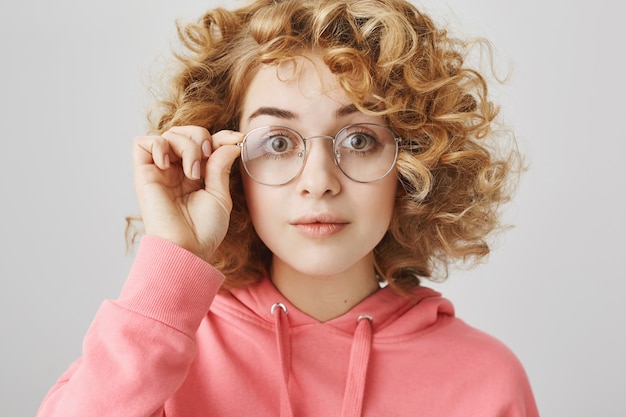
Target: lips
pixel 320 225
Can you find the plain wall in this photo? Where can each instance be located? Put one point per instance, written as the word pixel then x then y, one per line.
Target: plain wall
pixel 73 92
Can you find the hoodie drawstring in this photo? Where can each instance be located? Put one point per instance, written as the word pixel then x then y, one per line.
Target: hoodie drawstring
pixel 357 367
pixel 279 311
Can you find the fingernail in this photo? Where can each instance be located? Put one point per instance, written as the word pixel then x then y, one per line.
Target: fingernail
pixel 206 148
pixel 195 170
pixel 166 161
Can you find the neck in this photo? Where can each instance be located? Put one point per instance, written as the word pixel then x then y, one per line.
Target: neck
pixel 325 297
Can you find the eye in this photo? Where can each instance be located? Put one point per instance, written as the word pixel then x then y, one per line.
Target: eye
pixel 278 144
pixel 359 141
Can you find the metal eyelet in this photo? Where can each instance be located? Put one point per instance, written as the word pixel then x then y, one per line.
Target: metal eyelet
pixel 281 306
pixel 365 316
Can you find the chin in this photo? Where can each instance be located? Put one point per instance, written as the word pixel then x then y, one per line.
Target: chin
pixel 325 261
pixel 324 267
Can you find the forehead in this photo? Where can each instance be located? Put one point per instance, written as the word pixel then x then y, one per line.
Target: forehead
pixel 299 78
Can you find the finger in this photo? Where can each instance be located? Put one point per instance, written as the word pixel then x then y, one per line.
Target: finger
pixel 186 150
pixel 197 134
pixel 222 138
pixel 226 137
pixel 218 167
pixel 151 150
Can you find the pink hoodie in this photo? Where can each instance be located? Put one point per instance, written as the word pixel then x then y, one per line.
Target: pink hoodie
pixel 171 347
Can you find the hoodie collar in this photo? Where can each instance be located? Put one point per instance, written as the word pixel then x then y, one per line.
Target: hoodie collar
pixel 385 307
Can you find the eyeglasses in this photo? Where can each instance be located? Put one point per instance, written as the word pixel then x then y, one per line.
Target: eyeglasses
pixel 275 155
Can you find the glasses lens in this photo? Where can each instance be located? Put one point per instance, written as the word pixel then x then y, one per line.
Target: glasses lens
pixel 273 155
pixel 366 152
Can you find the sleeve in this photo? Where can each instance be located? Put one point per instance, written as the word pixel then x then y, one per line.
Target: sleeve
pixel 138 349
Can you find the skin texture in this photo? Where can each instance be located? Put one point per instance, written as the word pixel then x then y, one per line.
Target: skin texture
pixel 322 226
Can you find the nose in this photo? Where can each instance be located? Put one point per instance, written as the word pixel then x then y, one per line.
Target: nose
pixel 320 174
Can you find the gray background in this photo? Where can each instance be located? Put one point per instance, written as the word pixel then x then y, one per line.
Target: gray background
pixel 73 95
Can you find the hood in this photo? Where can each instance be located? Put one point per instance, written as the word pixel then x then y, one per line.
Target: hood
pixel 383 315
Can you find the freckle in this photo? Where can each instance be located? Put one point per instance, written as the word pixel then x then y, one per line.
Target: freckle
pixel 345 301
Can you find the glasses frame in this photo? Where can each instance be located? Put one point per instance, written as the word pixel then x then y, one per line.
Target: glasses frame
pixel 336 153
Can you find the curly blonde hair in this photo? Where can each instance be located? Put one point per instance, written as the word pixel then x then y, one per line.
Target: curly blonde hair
pixel 453 182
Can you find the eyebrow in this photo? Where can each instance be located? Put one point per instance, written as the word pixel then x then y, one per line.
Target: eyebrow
pixel 289 115
pixel 274 112
pixel 346 110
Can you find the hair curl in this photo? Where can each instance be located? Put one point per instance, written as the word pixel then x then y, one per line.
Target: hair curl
pixel 453 181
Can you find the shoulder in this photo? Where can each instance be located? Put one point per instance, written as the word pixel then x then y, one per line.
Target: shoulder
pixel 431 328
pixel 469 371
pixel 478 358
pixel 478 344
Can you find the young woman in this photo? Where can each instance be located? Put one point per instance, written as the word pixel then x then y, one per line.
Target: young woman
pixel 315 160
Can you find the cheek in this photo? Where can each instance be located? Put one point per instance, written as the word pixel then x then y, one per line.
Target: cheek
pixel 250 192
pixel 388 193
pixel 259 202
pixel 374 207
pixel 386 202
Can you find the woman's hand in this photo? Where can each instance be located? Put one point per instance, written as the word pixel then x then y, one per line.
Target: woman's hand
pixel 182 185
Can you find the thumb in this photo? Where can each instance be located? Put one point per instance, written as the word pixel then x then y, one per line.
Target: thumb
pixel 218 167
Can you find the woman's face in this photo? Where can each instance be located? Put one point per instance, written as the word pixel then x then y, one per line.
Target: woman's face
pixel 321 222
